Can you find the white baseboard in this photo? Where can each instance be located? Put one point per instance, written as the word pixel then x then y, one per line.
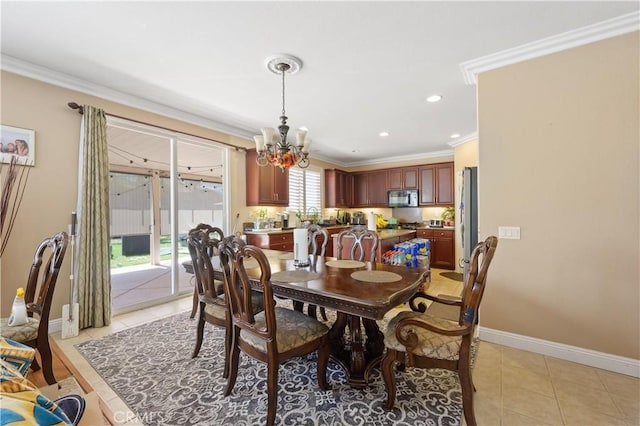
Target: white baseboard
pixel 55 325
pixel 618 364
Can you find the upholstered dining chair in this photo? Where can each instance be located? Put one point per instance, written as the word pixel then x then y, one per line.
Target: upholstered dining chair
pixel 318 239
pixel 271 336
pixel 416 339
pixel 41 282
pixel 213 308
pixel 218 234
pixel 209 294
pixel 359 235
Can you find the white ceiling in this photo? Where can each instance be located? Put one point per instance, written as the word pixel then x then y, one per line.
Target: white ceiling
pixel 368 66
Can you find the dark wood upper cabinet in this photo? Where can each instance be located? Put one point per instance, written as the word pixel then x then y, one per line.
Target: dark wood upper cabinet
pixel 403 178
pixel 266 186
pixel 338 188
pixel 370 189
pixel 436 184
pixel 360 189
pixel 378 188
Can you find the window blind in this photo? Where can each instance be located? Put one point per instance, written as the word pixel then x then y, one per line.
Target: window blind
pixel 304 190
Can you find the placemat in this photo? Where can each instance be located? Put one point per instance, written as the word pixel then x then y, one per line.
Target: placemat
pixel 286 256
pixel 345 264
pixel 294 276
pixel 376 276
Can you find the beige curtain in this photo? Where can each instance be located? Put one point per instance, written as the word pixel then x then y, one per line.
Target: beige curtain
pixel 92 249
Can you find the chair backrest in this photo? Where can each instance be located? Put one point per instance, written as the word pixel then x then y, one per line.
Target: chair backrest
pixel 317 234
pixel 43 281
pixel 359 234
pixel 203 244
pixel 474 284
pixel 234 254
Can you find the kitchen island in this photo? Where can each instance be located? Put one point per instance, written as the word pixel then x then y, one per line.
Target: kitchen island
pixel 282 239
pixel 442 242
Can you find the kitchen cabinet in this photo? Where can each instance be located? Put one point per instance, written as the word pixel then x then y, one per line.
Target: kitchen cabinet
pixel 266 186
pixel 370 189
pixel 338 188
pixel 403 178
pixel 272 240
pixel 436 184
pixel 443 249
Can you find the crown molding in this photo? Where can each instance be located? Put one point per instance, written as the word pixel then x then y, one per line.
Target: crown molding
pixel 46 75
pixel 606 29
pixel 464 139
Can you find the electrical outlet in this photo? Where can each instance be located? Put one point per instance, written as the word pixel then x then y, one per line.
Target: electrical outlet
pixel 509 232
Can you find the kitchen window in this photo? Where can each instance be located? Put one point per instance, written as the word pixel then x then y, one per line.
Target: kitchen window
pixel 304 190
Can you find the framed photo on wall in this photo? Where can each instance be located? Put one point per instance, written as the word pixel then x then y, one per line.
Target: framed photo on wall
pixel 15 141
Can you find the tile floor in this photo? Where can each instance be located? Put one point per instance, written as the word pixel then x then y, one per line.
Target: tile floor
pixel 514 387
pixel 137 285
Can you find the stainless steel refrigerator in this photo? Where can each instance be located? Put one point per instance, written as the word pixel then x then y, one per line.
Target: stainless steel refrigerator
pixel 469 214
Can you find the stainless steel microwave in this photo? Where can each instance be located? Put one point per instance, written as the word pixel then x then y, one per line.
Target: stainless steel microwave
pixel 406 198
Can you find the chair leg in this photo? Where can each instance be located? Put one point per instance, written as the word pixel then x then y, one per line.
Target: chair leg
pixel 323 313
pixel 199 332
pixel 234 358
pixel 389 377
pixel 467 395
pixel 323 361
pixel 227 350
pixel 194 309
pixel 311 311
pixel 34 365
pixel 297 306
pixel 272 392
pixel 47 360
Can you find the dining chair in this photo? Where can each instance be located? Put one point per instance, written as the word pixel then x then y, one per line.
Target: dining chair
pixel 213 307
pixel 416 339
pixel 273 335
pixel 318 240
pixel 358 234
pixel 212 231
pixel 41 282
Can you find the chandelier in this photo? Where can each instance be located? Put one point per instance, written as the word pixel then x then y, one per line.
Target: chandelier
pixel 273 148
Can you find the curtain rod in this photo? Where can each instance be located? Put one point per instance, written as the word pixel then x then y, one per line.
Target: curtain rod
pixel 80 108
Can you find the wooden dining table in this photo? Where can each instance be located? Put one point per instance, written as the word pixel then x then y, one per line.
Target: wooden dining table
pixel 358 299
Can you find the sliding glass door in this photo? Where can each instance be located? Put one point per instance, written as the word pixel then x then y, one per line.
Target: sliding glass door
pixel 162 185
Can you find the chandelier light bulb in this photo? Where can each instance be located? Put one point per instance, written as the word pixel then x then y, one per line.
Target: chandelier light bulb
pixel 259 142
pixel 300 137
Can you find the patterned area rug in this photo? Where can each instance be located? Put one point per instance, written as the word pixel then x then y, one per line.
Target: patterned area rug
pixel 151 369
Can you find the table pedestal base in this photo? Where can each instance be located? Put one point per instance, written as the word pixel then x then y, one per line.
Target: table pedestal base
pixel 358 359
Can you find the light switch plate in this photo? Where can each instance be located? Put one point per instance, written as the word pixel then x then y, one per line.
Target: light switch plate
pixel 509 232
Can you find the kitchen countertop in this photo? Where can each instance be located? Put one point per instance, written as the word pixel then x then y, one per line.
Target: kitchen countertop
pixel 438 228
pixel 382 233
pixel 281 230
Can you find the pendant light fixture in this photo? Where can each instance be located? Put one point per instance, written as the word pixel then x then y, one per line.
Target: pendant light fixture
pixel 273 147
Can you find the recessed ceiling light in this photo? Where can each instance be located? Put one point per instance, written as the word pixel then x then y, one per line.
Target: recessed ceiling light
pixel 434 98
pixel 455 135
pixel 383 134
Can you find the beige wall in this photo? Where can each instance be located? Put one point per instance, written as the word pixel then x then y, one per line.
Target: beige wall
pixel 558 156
pixel 52 186
pixel 465 155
